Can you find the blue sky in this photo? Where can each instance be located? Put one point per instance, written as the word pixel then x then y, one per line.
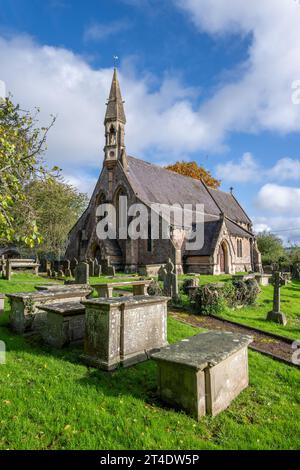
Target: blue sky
pixel 203 80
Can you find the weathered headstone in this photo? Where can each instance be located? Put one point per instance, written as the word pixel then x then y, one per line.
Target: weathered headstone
pixel 73 265
pixel 171 281
pixel 67 268
pixel 276 315
pixel 162 273
pixel 82 273
pixel 92 267
pixel 97 268
pixel 106 268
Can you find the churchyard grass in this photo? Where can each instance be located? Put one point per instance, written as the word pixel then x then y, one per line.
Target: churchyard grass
pixel 50 400
pixel 256 315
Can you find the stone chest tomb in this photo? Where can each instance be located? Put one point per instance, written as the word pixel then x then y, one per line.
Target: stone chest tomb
pixel 64 323
pixel 26 314
pixel 204 373
pixel 123 331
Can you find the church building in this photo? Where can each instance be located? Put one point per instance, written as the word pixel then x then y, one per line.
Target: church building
pixel 229 243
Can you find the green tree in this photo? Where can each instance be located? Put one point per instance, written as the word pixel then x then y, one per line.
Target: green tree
pixel 57 206
pixel 271 248
pixel 22 144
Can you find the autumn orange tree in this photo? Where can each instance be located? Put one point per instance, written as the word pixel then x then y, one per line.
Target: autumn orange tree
pixel 195 171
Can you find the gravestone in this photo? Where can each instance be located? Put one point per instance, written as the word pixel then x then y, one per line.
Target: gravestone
pixel 162 273
pixel 92 266
pixel 170 281
pixel 73 265
pixel 97 268
pixel 67 268
pixel 61 273
pixel 82 273
pixel 106 268
pixel 47 266
pixel 276 315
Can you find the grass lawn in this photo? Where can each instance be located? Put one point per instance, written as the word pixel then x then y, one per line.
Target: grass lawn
pixel 256 315
pixel 49 400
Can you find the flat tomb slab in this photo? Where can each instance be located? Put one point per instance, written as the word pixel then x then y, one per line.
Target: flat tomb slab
pixel 64 323
pixel 124 330
pixel 204 373
pixel 62 287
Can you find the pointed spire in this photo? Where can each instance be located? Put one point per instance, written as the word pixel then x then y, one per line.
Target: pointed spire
pixel 115 108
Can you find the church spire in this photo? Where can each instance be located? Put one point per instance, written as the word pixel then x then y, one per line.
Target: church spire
pixel 115 108
pixel 114 123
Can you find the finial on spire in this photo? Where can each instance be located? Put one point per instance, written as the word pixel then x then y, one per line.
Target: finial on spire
pixel 231 190
pixel 116 58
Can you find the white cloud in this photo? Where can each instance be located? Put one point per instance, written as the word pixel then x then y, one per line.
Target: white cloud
pixel 286 169
pixel 84 182
pixel 287 228
pixel 243 171
pixel 63 83
pixel 262 97
pixel 100 31
pixel 279 199
pixel 248 169
pixel 2 89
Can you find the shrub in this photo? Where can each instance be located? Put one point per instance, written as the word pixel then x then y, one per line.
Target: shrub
pixel 214 298
pixel 209 299
pixel 246 291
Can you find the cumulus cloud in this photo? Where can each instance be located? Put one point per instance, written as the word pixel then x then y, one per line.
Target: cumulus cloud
pixel 248 169
pixel 241 172
pixel 286 169
pixel 64 84
pixel 262 97
pixel 279 199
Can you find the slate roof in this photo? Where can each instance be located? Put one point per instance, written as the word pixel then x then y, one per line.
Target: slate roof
pixel 237 231
pixel 212 229
pixel 152 183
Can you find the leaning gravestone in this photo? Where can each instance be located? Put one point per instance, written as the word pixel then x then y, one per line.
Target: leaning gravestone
pixel 82 273
pixel 276 315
